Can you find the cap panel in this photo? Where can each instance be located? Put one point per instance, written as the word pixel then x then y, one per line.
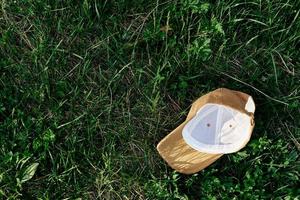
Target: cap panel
pixel 217 129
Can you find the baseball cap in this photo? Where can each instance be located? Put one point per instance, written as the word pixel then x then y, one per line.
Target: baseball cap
pixel 219 122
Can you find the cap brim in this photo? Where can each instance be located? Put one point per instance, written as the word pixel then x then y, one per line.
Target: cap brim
pixel 180 156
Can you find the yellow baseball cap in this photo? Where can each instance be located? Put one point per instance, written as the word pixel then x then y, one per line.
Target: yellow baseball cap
pixel 218 123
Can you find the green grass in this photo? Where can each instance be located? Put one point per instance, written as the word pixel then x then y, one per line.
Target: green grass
pixel 88 88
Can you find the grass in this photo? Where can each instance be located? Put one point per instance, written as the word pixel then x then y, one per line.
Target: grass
pixel 88 88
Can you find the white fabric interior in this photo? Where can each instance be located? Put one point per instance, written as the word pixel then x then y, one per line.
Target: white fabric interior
pixel 218 129
pixel 250 106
